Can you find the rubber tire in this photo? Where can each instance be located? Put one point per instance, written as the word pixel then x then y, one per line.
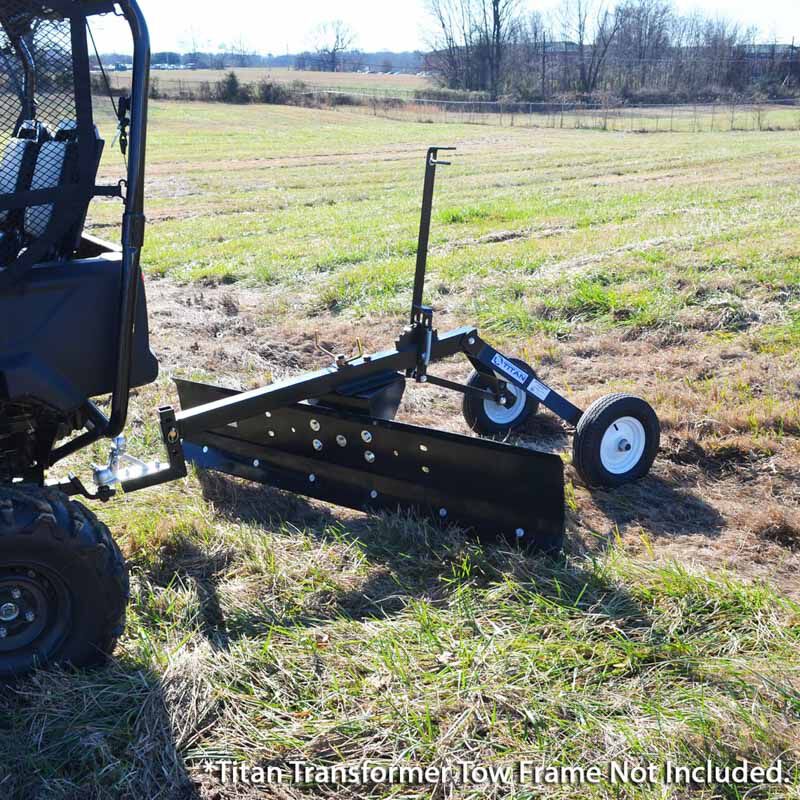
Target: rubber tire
pixel 43 527
pixel 593 425
pixel 475 415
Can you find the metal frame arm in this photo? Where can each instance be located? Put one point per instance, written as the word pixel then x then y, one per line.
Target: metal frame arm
pixel 313 385
pixel 318 384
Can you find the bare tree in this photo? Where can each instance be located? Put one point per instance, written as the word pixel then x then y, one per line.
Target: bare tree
pixel 496 21
pixel 452 42
pixel 194 44
pixel 331 40
pixel 592 27
pixel 471 41
pixel 242 54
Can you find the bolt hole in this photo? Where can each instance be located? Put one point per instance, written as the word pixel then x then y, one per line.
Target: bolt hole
pixel 426 470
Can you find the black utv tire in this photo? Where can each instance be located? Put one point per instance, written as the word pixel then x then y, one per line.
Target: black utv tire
pixel 491 419
pixel 63 583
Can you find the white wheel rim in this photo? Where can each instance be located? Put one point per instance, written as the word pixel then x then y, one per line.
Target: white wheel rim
pixel 623 445
pixel 505 415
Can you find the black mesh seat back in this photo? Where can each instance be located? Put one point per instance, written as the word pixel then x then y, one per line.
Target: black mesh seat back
pixel 17 166
pixel 15 171
pixel 57 165
pixel 45 74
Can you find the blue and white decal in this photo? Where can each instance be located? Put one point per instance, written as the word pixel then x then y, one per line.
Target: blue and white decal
pixel 512 370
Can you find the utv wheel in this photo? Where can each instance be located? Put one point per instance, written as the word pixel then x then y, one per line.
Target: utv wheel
pixel 490 418
pixel 63 583
pixel 616 441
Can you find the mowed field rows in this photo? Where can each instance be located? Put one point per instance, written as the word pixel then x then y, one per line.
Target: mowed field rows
pixel 269 628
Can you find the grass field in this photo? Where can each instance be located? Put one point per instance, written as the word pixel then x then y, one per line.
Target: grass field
pixel 267 628
pixel 392 85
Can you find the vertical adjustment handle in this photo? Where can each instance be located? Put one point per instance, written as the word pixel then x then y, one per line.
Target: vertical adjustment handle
pixel 431 162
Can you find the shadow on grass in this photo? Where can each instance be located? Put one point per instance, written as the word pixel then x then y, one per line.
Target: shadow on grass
pixel 408 560
pixel 545 432
pixel 659 507
pixel 92 735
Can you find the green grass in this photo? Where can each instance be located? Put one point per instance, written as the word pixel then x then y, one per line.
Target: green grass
pixel 254 195
pixel 403 644
pixel 269 629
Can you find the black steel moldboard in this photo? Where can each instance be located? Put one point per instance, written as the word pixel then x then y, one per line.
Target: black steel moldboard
pixel 491 488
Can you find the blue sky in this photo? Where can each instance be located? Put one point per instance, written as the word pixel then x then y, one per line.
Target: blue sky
pixel 275 25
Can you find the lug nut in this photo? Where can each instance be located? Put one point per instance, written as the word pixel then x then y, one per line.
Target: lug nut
pixel 317 444
pixel 366 436
pixel 369 456
pixel 3 633
pixel 341 440
pixel 30 616
pixel 315 426
pixel 520 533
pixel 16 594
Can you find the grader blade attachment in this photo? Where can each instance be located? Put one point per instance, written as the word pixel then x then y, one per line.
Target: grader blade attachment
pixel 374 465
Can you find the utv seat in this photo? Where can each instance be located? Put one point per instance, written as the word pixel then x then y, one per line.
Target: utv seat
pixel 57 165
pixel 16 173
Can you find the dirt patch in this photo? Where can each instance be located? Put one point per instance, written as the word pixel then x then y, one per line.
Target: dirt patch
pixel 498 237
pixel 780 527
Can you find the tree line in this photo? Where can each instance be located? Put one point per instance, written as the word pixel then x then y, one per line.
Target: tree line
pixel 632 50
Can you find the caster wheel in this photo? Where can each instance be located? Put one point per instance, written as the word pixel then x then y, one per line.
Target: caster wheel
pixel 616 441
pixel 489 418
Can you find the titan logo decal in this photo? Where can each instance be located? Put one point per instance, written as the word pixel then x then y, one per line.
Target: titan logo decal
pixel 504 365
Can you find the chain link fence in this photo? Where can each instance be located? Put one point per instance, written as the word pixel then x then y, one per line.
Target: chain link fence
pixel 727 115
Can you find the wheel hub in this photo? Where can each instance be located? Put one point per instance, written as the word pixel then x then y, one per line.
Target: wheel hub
pixel 623 445
pixel 503 413
pixel 26 600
